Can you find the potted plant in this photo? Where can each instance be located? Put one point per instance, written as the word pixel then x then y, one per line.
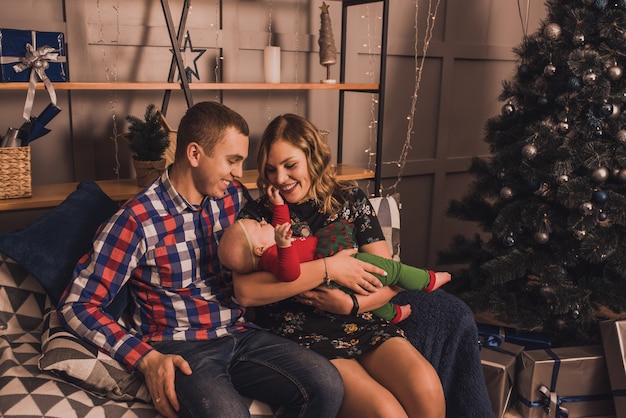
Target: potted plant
pixel 148 141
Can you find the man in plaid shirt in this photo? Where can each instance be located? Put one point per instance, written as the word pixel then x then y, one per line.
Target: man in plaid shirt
pixel 186 334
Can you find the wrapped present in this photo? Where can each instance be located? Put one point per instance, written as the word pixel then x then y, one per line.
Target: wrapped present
pixel 564 382
pixel 530 340
pixel 614 343
pixel 21 51
pixel 499 366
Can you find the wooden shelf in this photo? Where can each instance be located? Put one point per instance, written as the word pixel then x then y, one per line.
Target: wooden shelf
pixel 51 195
pixel 160 86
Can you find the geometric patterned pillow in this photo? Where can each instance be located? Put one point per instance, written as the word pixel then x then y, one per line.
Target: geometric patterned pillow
pixel 81 363
pixel 388 212
pixel 22 299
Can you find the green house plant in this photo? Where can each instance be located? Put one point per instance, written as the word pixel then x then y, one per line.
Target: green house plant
pixel 148 141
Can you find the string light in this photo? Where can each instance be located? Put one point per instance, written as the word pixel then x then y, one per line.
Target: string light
pixel 268 107
pixel 419 68
pixel 113 101
pixel 218 49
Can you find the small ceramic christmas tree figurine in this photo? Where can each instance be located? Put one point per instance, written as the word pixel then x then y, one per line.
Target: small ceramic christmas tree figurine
pixel 328 50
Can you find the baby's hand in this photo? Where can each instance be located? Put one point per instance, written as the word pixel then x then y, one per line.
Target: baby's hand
pixel 274 196
pixel 282 235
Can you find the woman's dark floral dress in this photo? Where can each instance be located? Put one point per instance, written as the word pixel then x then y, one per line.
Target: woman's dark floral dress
pixel 331 335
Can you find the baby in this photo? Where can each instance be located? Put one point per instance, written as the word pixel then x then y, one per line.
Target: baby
pixel 250 245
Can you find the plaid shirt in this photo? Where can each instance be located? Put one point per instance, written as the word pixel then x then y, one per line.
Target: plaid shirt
pixel 166 249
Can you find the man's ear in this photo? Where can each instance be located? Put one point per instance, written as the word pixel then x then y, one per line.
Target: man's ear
pixel 258 250
pixel 194 152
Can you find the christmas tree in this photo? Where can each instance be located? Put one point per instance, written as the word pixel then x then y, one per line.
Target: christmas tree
pixel 551 197
pixel 326 41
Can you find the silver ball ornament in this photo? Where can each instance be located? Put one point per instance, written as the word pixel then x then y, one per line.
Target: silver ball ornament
pixel 600 175
pixel 529 151
pixel 562 179
pixel 578 39
pixel 508 109
pixel 541 237
pixel 615 111
pixel 586 208
pixel 562 127
pixel 614 73
pixel 506 193
pixel 621 136
pixel 590 78
pixel 549 70
pixel 552 31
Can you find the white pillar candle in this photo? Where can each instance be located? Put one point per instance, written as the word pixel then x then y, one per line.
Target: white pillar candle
pixel 271 64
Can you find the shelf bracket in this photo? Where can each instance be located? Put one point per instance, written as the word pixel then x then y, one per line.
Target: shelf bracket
pixel 177 59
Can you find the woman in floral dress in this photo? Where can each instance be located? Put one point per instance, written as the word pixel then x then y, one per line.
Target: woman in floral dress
pixel 384 375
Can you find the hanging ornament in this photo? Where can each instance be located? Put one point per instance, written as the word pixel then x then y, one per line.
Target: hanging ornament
pixel 542 190
pixel 621 136
pixel 523 70
pixel 541 237
pixel 549 70
pixel 590 78
pixel 600 175
pixel 529 151
pixel 574 313
pixel 602 216
pixel 509 240
pixel 552 31
pixel 563 127
pixel 562 179
pixel 614 73
pixel 621 177
pixel 508 109
pixel 501 175
pixel 606 109
pixel 574 83
pixel 599 196
pixel 578 39
pixel 615 111
pixel 580 234
pixel 586 208
pixel 542 101
pixel 506 193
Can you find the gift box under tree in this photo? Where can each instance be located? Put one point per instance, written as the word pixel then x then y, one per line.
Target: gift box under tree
pixel 23 50
pixel 565 382
pixel 614 344
pixel 499 360
pixel 530 340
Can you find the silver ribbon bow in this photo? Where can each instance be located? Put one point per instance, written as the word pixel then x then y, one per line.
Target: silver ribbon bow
pixel 37 59
pixel 552 403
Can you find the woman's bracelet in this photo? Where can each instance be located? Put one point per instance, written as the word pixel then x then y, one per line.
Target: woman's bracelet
pixel 327 278
pixel 355 305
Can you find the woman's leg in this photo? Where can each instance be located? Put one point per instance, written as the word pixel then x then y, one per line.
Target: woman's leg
pixel 398 366
pixel 363 396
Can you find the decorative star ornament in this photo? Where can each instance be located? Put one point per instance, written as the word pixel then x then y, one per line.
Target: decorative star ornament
pixel 190 54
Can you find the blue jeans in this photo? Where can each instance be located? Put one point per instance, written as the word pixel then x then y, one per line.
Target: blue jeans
pixel 258 365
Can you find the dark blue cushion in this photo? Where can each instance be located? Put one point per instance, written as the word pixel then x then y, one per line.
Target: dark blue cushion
pixel 50 247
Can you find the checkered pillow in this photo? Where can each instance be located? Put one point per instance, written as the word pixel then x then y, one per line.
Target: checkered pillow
pixel 84 365
pixel 388 211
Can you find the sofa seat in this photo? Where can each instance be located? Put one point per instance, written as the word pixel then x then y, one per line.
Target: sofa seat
pixel 27 391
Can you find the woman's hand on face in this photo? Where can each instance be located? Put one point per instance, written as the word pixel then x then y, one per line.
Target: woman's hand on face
pixel 354 274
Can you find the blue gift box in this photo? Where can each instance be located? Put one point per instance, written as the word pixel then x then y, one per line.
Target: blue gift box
pixel 530 340
pixel 13 50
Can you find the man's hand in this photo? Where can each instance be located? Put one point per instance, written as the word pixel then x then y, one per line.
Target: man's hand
pixel 159 371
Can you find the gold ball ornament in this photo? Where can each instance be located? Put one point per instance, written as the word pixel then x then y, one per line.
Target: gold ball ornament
pixel 529 151
pixel 549 70
pixel 600 175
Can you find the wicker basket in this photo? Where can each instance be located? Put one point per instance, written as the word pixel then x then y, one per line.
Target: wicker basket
pixel 15 180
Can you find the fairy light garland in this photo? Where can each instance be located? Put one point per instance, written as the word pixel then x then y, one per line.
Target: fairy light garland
pixel 419 68
pixel 371 72
pixel 113 101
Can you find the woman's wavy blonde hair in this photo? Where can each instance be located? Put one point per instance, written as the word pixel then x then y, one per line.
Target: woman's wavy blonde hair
pixel 302 134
